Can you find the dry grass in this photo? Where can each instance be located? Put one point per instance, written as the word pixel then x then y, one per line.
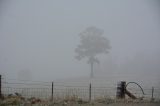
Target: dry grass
pixel 74 101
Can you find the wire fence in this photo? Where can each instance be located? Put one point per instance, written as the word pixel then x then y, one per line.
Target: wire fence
pixel 63 90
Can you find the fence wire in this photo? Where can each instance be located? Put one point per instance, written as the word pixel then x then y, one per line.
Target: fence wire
pixel 66 90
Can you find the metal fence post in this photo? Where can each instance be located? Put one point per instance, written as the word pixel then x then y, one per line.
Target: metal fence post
pixel 152 94
pixel 0 86
pixel 52 91
pixel 90 92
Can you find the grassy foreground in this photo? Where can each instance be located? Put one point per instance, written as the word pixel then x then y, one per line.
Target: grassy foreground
pixel 74 101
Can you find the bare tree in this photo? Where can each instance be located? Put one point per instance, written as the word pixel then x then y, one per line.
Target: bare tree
pixel 92 44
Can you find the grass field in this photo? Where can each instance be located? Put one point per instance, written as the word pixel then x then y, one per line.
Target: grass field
pixel 108 102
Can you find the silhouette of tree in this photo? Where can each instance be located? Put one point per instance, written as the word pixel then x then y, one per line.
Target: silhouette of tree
pixel 92 44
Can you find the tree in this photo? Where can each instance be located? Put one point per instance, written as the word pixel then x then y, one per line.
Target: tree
pixel 92 44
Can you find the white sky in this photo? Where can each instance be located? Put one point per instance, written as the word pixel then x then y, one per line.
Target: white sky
pixel 41 35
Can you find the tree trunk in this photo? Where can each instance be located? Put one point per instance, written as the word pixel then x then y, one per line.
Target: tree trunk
pixel 91 74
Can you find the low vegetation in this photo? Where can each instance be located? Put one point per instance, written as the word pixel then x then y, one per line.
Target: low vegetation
pixel 18 100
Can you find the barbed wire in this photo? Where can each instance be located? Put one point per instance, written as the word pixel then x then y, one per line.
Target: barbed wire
pixel 26 80
pixel 25 84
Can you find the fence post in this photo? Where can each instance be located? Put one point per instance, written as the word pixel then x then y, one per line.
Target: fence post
pixel 52 91
pixel 121 90
pixel 152 94
pixel 0 86
pixel 90 95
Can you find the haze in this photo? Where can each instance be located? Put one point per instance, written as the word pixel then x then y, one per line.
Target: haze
pixel 40 36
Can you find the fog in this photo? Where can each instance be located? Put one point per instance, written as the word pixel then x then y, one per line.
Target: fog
pixel 39 37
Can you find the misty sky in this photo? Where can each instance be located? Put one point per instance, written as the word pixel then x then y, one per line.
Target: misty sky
pixel 41 35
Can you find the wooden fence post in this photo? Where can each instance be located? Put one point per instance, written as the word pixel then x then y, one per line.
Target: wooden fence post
pixel 121 90
pixel 90 92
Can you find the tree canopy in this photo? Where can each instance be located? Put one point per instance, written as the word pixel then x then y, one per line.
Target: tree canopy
pixel 92 43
